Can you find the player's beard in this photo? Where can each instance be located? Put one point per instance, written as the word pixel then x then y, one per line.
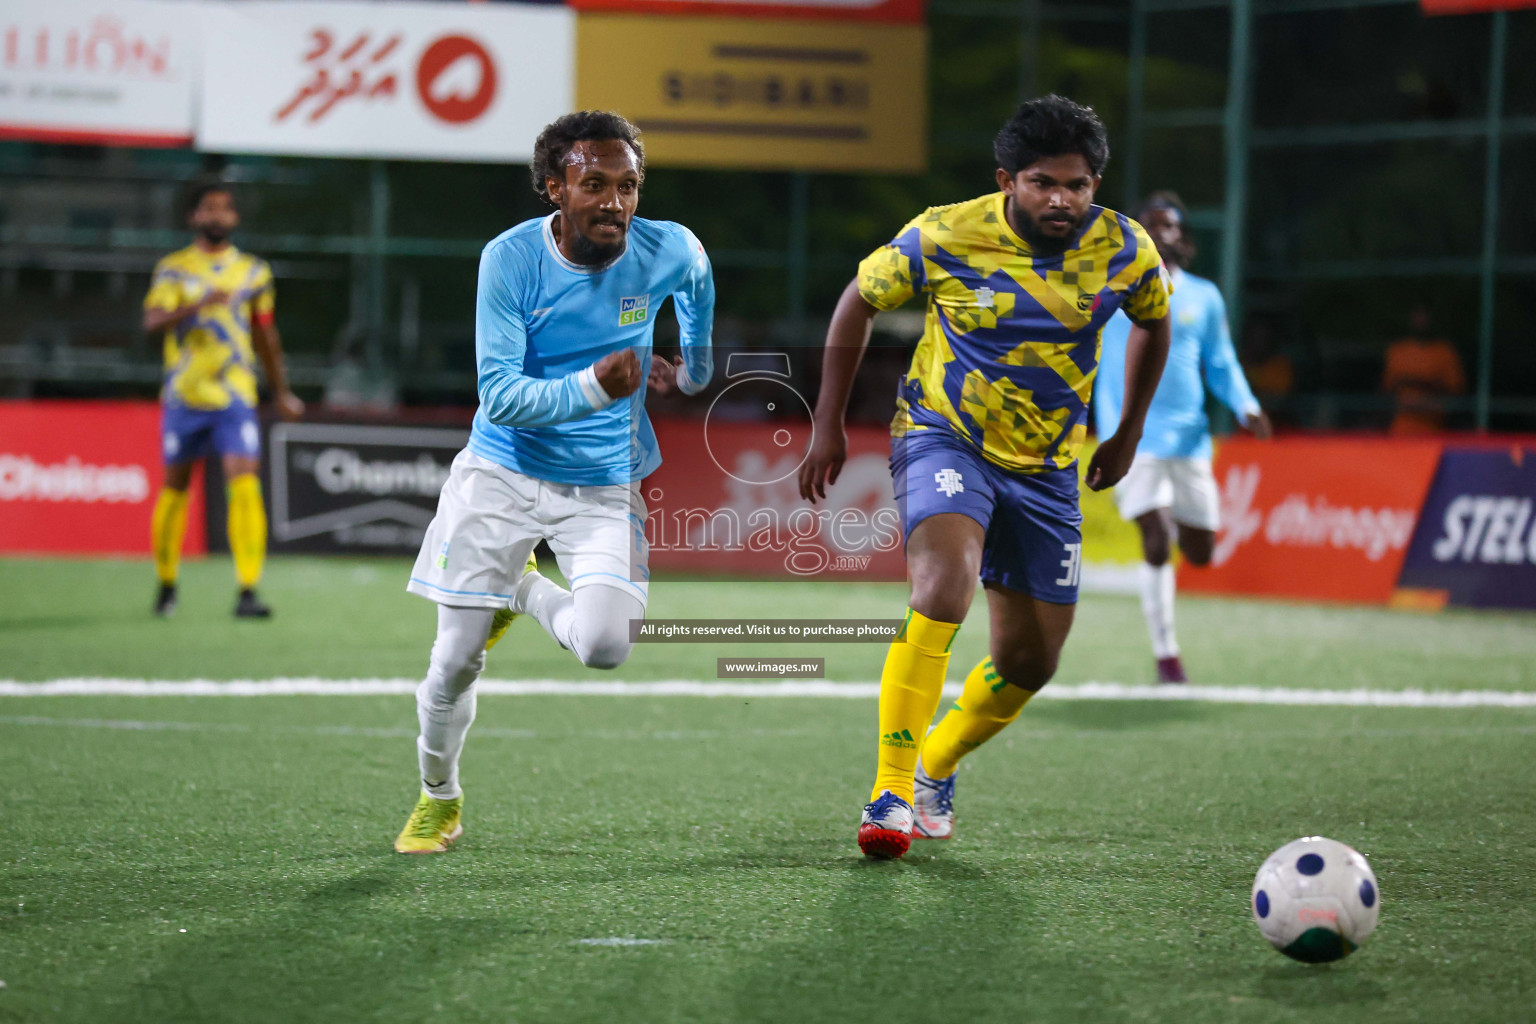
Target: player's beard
pixel 589 253
pixel 1040 243
pixel 214 234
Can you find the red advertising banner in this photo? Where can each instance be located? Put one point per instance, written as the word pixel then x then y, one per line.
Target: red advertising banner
pixel 1472 6
pixel 1315 519
pixel 893 11
pixel 726 500
pixel 81 478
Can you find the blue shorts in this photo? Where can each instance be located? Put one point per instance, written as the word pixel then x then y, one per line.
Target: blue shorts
pixel 187 434
pixel 1033 524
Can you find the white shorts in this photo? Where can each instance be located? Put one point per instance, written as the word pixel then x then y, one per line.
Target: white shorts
pixel 1187 486
pixel 489 518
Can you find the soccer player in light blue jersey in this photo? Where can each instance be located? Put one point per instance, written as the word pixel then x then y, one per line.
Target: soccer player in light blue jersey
pixel 1170 489
pixel 561 442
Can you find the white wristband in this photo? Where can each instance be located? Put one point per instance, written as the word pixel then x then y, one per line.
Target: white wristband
pixel 596 396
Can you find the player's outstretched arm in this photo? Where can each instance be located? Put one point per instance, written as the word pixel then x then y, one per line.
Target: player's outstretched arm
pixel 1224 374
pixel 847 336
pixel 1146 350
pixel 694 301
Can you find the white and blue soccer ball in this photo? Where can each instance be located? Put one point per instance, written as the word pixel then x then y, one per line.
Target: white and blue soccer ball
pixel 1316 900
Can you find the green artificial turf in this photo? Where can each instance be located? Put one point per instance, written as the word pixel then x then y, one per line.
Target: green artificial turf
pixel 1100 871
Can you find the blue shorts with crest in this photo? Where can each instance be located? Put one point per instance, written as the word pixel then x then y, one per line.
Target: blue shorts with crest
pixel 1034 527
pixel 187 434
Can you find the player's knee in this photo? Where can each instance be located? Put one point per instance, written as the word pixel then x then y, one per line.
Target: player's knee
pixel 607 649
pixel 1197 546
pixel 1028 670
pixel 1156 541
pixel 942 597
pixel 457 668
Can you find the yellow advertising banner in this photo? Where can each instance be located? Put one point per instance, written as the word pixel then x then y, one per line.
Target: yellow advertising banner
pixel 766 95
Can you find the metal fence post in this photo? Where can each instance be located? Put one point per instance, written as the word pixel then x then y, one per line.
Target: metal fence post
pixel 798 256
pixel 1498 33
pixel 378 241
pixel 1235 139
pixel 1135 103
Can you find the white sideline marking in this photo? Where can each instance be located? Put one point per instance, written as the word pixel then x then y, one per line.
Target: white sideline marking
pixel 786 688
pixel 138 725
pixel 621 942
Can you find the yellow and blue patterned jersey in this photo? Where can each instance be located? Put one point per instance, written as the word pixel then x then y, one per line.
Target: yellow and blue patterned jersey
pixel 209 363
pixel 1011 340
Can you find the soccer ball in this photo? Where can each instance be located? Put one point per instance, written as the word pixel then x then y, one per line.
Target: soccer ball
pixel 1315 900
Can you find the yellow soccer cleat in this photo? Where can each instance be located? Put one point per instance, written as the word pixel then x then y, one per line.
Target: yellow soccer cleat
pixel 433 826
pixel 504 616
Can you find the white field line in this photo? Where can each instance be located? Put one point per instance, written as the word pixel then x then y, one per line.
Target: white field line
pixel 738 689
pixel 140 725
pixel 735 735
pixel 618 941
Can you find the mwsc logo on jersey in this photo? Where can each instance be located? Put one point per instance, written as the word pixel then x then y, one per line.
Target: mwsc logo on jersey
pixel 634 309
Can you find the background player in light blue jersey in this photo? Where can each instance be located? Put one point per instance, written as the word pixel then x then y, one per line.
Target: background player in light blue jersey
pixel 1170 484
pixel 563 323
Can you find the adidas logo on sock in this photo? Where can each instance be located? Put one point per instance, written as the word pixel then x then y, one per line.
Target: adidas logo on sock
pixel 898 739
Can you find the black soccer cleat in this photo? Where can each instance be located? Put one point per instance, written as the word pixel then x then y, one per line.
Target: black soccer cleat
pixel 165 600
pixel 250 606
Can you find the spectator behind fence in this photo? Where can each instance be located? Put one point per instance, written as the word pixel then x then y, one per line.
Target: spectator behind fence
pixel 1422 371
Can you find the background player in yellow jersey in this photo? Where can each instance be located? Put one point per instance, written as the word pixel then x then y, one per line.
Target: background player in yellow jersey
pixel 984 446
pixel 214 305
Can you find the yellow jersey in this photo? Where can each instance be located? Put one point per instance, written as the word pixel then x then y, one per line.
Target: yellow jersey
pixel 209 362
pixel 1010 343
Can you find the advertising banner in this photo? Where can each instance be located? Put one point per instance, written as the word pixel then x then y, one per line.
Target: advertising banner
pixel 107 72
pixel 727 500
pixel 1315 519
pixel 843 10
pixel 1472 6
pixel 425 81
pixel 82 477
pixel 357 488
pixel 1476 540
pixel 762 94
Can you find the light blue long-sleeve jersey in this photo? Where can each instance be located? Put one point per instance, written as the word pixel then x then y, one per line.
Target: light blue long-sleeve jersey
pixel 541 322
pixel 1200 355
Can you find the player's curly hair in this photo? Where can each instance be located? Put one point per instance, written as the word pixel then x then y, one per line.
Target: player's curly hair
pixel 200 188
pixel 555 141
pixel 1051 126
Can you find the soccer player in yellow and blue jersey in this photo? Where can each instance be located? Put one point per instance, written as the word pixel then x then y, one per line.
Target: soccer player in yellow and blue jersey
pixel 1019 283
pixel 214 304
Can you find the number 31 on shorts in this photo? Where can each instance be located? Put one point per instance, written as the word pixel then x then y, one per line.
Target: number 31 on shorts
pixel 1073 564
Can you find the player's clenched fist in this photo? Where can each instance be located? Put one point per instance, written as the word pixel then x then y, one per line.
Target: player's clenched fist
pixel 619 373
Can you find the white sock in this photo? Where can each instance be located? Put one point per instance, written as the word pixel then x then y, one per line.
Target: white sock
pixel 593 623
pixel 445 701
pixel 1157 587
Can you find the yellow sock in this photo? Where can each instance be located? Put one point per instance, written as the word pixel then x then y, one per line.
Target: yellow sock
pixel 987 705
pixel 910 688
pixel 166 529
pixel 247 528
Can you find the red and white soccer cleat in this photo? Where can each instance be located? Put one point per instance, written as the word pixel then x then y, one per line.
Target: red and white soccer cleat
pixel 885 830
pixel 1171 670
pixel 933 805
